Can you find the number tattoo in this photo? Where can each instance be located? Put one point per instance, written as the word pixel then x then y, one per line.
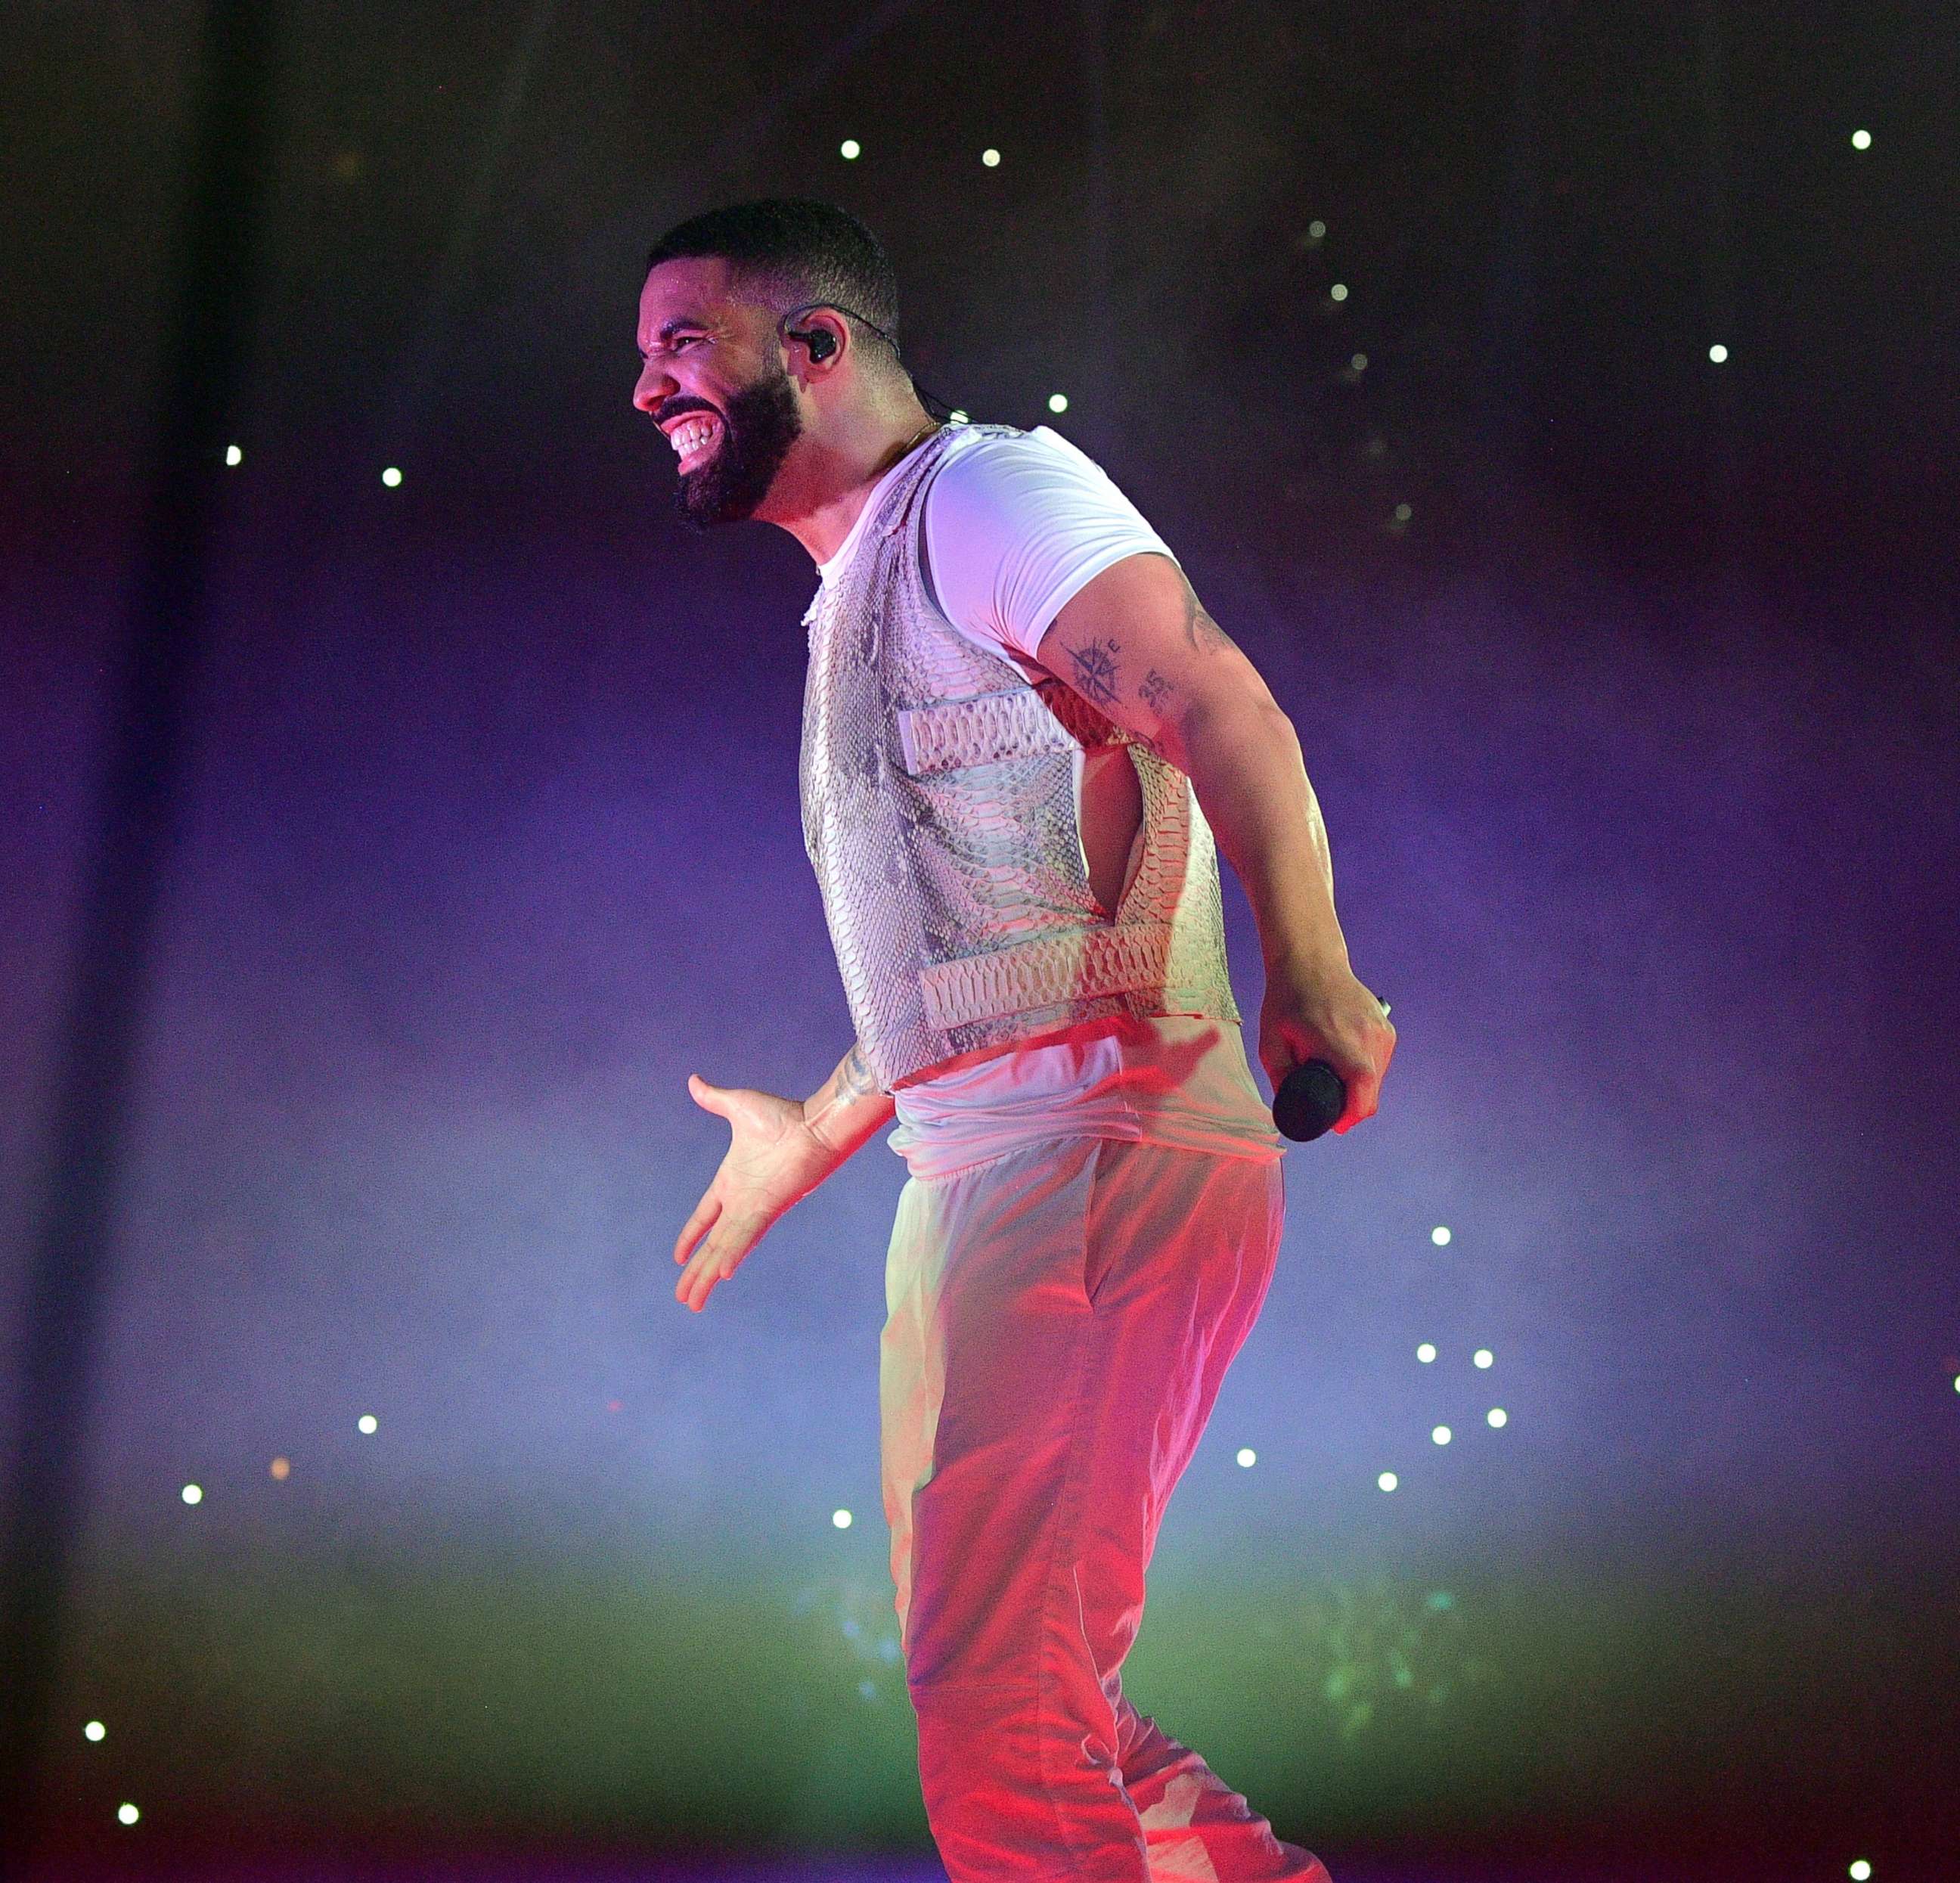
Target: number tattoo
pixel 1155 691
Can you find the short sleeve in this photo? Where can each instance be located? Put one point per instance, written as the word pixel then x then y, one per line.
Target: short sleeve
pixel 1014 526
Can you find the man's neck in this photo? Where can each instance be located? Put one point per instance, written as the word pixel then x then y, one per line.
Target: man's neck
pixel 826 493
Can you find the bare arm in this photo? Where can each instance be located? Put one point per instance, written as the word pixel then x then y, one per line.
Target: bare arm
pixel 1244 762
pixel 1137 643
pixel 779 1152
pixel 848 1108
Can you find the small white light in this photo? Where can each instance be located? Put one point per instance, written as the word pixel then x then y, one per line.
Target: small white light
pixel 1482 1357
pixel 233 455
pixel 848 149
pixel 1860 141
pixel 1360 362
pixel 95 1731
pixel 841 1519
pixel 1388 1481
pixel 958 418
pixel 1403 513
pixel 1248 1457
pixel 1338 291
pixel 368 1423
pixel 127 1814
pixel 1440 1236
pixel 391 477
pixel 1058 402
pixel 1956 1382
pixel 193 1493
pixel 1441 1434
pixel 990 158
pixel 1316 228
pixel 1718 353
pixel 1497 1416
pixel 1426 1352
pixel 1860 1870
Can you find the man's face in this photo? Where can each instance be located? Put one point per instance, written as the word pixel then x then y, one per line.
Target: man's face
pixel 713 384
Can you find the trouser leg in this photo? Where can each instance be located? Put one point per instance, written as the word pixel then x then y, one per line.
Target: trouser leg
pixel 1059 1322
pixel 1196 1828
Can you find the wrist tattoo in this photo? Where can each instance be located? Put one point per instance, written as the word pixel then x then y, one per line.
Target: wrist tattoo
pixel 854 1078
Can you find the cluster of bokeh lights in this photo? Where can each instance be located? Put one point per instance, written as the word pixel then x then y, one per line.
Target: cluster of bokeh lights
pixel 1427 1353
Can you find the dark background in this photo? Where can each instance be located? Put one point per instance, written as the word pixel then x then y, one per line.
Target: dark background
pixel 376 863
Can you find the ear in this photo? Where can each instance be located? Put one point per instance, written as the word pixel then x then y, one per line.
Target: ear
pixel 818 320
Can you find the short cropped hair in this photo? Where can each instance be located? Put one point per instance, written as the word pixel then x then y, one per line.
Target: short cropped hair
pixel 788 252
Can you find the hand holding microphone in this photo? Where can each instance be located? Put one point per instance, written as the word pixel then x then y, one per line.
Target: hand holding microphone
pixel 1310 1099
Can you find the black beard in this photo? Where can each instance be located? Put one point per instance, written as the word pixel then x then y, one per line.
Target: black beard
pixel 758 426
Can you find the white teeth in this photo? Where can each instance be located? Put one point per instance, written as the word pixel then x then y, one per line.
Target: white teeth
pixel 690 435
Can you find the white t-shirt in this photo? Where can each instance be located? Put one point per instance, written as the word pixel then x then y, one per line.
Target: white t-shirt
pixel 1013 527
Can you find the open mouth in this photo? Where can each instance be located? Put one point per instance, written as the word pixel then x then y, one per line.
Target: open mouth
pixel 694 438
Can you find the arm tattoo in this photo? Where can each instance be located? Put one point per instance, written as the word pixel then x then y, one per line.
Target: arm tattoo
pixel 1096 671
pixel 1155 692
pixel 1204 633
pixel 854 1078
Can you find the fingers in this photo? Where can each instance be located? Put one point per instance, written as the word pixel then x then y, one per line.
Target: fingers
pixel 700 1278
pixel 1364 1090
pixel 1363 1100
pixel 706 1212
pixel 1364 1095
pixel 714 1262
pixel 697 1281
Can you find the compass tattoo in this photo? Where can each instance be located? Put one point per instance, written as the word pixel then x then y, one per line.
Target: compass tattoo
pixel 1096 671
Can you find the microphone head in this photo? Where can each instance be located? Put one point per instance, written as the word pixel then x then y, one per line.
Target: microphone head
pixel 1310 1098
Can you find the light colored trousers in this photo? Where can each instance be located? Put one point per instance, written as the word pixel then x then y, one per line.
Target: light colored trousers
pixel 1058 1322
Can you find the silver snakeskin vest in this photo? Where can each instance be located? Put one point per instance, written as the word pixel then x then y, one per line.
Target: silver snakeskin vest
pixel 938 795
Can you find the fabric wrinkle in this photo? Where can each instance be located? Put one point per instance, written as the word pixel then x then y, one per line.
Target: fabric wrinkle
pixel 1062 1319
pixel 1094 1192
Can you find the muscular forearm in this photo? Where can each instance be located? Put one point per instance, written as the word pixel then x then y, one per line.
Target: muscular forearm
pixel 1246 767
pixel 849 1108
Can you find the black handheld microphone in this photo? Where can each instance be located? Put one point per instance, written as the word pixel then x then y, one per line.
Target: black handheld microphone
pixel 1310 1098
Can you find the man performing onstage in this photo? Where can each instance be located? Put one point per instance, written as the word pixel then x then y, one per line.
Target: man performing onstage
pixel 1014 708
